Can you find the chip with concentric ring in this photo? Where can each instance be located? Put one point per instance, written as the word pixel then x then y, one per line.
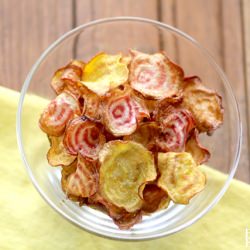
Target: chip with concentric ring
pixel 85 137
pixel 155 76
pixel 57 114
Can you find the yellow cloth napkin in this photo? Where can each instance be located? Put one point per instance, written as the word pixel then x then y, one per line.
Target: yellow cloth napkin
pixel 27 222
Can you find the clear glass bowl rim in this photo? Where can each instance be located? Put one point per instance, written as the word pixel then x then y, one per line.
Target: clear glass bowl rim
pixel 172 30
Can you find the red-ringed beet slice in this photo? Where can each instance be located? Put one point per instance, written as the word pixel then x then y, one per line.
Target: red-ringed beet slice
pixel 155 76
pixel 57 114
pixel 119 112
pixel 85 137
pixel 175 125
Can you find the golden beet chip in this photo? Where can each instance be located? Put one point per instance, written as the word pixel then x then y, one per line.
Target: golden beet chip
pixel 154 198
pixel 119 112
pixel 57 114
pixel 68 77
pixel 155 76
pixel 175 125
pixel 83 182
pixel 104 72
pixel 57 154
pixel 180 177
pixel 205 105
pixel 145 135
pixel 85 137
pixel 193 146
pixel 125 167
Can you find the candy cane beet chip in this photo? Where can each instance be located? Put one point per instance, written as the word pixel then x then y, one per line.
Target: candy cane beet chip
pixel 125 167
pixel 57 114
pixel 175 125
pixel 180 176
pixel 83 182
pixel 104 72
pixel 120 112
pixel 84 137
pixel 155 76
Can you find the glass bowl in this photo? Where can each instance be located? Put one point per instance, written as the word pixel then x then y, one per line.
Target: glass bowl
pixel 114 35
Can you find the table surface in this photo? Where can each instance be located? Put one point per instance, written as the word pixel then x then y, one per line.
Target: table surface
pixel 27 27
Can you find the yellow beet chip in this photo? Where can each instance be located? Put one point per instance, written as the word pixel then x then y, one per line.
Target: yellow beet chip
pixel 125 167
pixel 57 154
pixel 104 72
pixel 180 176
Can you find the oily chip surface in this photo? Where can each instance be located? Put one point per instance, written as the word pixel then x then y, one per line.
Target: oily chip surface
pixel 180 176
pixel 125 167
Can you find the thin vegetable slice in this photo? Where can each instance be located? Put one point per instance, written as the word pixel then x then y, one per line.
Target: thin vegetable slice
pixel 127 220
pixel 175 125
pixel 125 167
pixel 83 182
pixel 66 172
pixel 104 72
pixel 57 114
pixel 154 198
pixel 91 105
pixel 120 216
pixel 155 76
pixel 180 177
pixel 145 135
pixel 57 154
pixel 205 105
pixel 193 146
pixel 141 109
pixel 119 112
pixel 85 137
pixel 68 77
